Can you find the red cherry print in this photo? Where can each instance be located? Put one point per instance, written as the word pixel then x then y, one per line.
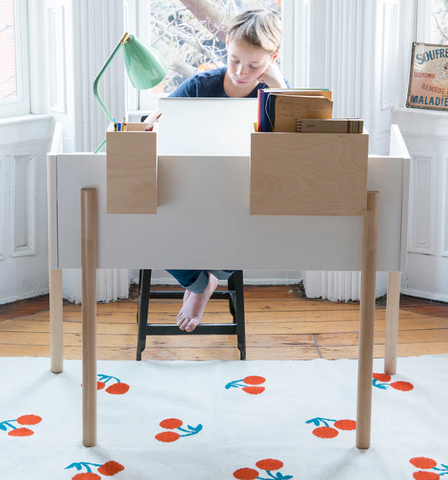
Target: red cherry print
pixel 118 388
pixel 110 468
pixel 29 420
pixel 171 423
pixel 167 437
pixel 325 432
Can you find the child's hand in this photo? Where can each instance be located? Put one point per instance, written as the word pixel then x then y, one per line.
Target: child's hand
pixel 272 77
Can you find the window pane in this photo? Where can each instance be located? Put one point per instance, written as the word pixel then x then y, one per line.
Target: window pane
pixel 439 22
pixel 8 75
pixel 192 41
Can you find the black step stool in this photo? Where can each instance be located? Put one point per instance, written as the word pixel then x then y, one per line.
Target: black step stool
pixel 235 294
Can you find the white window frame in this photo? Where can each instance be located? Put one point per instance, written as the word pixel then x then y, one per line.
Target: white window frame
pixel 422 21
pixel 137 14
pixel 19 105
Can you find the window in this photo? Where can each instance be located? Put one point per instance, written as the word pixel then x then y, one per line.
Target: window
pixel 438 31
pixel 14 83
pixel 8 73
pixel 190 35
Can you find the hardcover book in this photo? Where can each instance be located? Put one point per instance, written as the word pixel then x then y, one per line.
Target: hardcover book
pixel 285 109
pixel 264 100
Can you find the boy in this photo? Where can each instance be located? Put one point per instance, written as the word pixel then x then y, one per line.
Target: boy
pixel 253 42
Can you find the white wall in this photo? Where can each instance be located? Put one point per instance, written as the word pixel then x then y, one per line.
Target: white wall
pixel 24 142
pixel 359 49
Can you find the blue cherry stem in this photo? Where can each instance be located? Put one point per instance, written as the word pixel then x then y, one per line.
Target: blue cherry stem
pixel 106 378
pixel 190 431
pixel 443 470
pixel 6 422
pixel 236 384
pixel 378 384
pixel 321 420
pixel 79 466
pixel 280 476
pixel 183 430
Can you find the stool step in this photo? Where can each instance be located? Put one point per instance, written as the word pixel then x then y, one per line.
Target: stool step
pixel 214 329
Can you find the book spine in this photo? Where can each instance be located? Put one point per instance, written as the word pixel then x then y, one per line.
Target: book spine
pixel 263 122
pixel 329 126
pixel 271 110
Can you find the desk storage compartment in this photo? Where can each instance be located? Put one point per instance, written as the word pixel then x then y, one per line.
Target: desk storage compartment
pixel 308 174
pixel 131 170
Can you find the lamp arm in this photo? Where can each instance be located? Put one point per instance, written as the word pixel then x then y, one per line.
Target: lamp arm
pixel 95 83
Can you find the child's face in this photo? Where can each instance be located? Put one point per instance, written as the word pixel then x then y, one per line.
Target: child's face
pixel 246 63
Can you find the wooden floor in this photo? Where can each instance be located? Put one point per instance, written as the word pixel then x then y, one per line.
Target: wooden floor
pixel 280 324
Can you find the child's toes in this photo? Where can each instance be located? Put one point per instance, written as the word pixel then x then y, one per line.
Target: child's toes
pixel 192 324
pixel 183 323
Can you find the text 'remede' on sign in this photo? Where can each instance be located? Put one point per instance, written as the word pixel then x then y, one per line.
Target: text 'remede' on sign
pixel 428 82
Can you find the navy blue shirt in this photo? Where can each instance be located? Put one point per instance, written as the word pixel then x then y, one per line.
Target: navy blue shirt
pixel 209 84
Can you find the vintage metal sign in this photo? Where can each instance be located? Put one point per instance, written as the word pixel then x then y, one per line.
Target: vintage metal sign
pixel 428 82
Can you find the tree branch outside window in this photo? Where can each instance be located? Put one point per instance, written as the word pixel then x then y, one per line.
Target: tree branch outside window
pixel 8 74
pixel 439 22
pixel 191 34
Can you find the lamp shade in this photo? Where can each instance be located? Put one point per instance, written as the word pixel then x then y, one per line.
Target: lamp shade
pixel 144 66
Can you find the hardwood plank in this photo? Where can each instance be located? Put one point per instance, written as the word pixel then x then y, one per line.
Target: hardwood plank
pixel 404 336
pixel 340 327
pixel 280 324
pixel 281 353
pixel 32 325
pixel 405 350
pixel 126 353
pixel 266 316
pixel 406 300
pixel 221 306
pixel 432 310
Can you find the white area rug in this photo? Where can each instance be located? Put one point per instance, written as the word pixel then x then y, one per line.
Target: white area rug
pixel 223 420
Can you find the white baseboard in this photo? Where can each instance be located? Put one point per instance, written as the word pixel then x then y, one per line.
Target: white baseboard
pixel 24 296
pixel 412 292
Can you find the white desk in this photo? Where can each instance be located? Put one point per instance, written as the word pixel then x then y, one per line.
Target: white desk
pixel 203 208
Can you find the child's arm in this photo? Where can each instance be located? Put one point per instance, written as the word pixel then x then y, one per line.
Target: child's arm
pixel 272 77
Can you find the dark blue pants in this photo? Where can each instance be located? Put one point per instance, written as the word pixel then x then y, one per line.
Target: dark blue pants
pixel 197 280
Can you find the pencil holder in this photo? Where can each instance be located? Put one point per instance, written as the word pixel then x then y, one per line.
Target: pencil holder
pixel 131 170
pixel 308 173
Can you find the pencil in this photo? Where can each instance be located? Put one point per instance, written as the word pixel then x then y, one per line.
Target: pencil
pixel 152 123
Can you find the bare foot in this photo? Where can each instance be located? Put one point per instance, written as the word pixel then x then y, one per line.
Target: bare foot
pixel 186 295
pixel 191 313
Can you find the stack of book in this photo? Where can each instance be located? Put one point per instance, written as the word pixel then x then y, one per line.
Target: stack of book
pixel 301 110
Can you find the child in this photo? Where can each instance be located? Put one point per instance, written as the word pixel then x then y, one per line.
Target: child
pixel 253 41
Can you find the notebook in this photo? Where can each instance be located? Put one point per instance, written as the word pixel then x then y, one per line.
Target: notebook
pixel 208 126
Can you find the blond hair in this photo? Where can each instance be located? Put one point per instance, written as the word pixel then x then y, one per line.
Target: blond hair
pixel 258 27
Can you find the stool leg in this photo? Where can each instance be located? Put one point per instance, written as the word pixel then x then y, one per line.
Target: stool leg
pixel 139 302
pixel 231 288
pixel 239 314
pixel 143 307
pixel 139 298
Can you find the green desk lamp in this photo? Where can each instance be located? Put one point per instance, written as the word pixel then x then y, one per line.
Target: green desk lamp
pixel 144 66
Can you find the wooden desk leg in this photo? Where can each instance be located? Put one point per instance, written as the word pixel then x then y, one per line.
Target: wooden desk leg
pixel 366 321
pixel 56 319
pixel 56 302
pixel 392 313
pixel 89 263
